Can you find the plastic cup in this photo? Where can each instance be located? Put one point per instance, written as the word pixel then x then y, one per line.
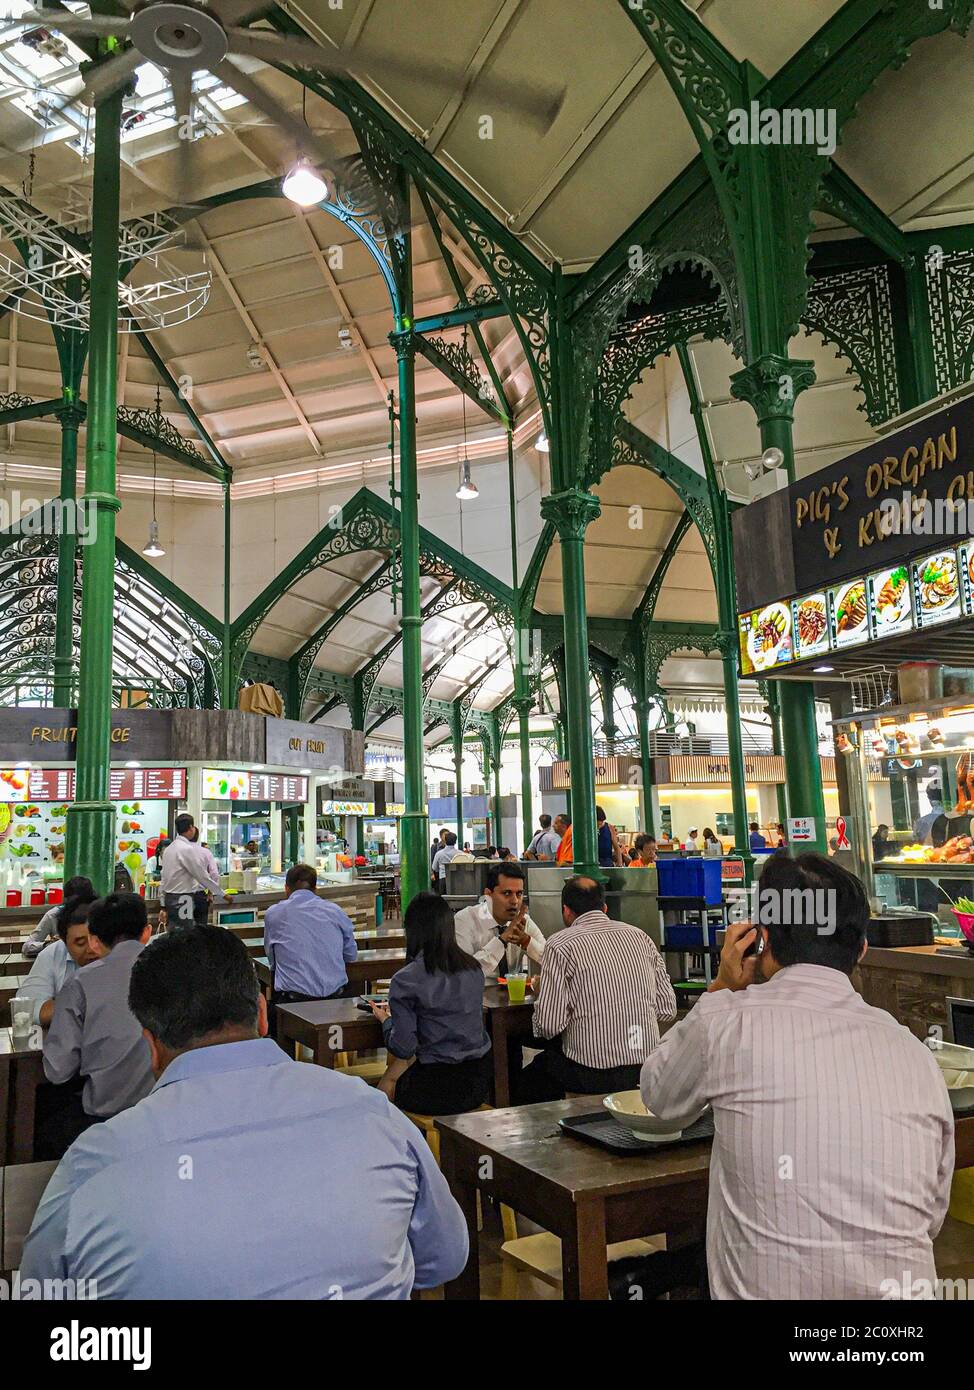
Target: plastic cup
pixel 21 1016
pixel 516 985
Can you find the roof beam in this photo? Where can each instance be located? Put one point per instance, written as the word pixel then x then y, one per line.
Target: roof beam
pixel 182 400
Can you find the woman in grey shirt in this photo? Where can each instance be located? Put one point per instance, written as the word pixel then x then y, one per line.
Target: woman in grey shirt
pixel 433 1025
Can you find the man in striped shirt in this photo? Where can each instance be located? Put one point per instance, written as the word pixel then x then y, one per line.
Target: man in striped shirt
pixel 834 1137
pixel 604 989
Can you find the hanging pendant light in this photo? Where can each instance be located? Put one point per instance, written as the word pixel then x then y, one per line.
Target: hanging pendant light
pixel 302 183
pixel 153 547
pixel 468 489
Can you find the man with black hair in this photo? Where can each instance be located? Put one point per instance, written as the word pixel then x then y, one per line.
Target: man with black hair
pixel 46 929
pixel 834 1146
pixel 604 989
pixel 60 961
pixel 308 941
pixel 244 1174
pixel 498 932
pixel 544 845
pixel 93 1033
pixel 188 876
pixel 441 859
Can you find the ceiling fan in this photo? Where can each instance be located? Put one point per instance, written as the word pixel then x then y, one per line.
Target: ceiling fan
pixel 184 36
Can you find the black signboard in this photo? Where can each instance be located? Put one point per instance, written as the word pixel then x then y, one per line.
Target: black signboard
pixel 898 497
pixel 43 735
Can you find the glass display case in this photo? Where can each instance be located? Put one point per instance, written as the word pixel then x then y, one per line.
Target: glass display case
pixel 911 771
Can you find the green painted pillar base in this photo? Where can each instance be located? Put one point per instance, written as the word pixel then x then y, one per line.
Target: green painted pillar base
pixel 414 855
pixel 799 738
pixel 89 843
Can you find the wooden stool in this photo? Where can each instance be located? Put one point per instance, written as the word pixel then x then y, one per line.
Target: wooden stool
pixel 540 1255
pixel 370 1072
pixel 427 1123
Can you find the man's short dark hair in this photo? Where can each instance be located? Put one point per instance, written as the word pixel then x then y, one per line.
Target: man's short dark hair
pixel 826 925
pixel 451 837
pixel 503 870
pixel 301 876
pixel 194 982
pixel 753 826
pixel 74 912
pixel 117 917
pixel 80 887
pixel 544 821
pixel 582 895
pixel 184 822
pixel 565 817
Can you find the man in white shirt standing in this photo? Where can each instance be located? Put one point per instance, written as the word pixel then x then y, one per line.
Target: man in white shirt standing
pixel 187 879
pixel 441 858
pixel 834 1145
pixel 59 962
pixel 498 931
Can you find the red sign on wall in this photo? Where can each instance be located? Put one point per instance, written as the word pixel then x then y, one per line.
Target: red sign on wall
pixel 124 784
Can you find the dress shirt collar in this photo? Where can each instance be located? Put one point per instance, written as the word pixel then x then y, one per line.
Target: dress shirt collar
pixel 221 1058
pixel 487 913
pixel 121 950
pixel 595 918
pixel 820 977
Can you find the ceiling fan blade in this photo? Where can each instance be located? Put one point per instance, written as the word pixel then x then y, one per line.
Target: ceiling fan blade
pixel 241 11
pixel 307 140
pixel 111 74
pixel 96 24
pixel 539 105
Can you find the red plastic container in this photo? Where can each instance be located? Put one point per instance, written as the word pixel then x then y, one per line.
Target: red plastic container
pixel 37 897
pixel 965 920
pixel 14 897
pixel 55 896
pixel 141 890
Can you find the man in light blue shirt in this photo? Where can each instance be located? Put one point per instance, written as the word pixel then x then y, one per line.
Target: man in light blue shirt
pixel 243 1174
pixel 307 941
pixel 59 962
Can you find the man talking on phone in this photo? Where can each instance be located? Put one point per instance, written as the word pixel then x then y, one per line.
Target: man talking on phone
pixel 834 1137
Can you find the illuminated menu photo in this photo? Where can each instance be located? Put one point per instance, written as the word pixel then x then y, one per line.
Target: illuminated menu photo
pixel 811 625
pixel 766 638
pixel 222 785
pixel 936 588
pixel 849 613
pixel 890 601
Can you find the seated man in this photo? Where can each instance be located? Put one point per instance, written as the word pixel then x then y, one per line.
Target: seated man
pixel 46 929
pixel 498 930
pixel 245 1174
pixel 834 1145
pixel 60 961
pixel 644 853
pixel 307 941
pixel 603 991
pixel 93 1032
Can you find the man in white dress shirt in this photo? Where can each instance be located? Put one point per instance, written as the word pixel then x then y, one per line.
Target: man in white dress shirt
pixel 187 877
pixel 498 931
pixel 59 962
pixel 834 1136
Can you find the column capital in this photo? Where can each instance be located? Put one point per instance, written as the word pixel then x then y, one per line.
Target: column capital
pixel 570 512
pixel 771 383
pixel 71 415
pixel 524 704
pixel 726 642
pixel 404 341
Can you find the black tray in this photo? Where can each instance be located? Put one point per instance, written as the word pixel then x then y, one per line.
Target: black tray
pixel 601 1129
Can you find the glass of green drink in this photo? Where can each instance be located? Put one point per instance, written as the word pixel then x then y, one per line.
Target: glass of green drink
pixel 516 983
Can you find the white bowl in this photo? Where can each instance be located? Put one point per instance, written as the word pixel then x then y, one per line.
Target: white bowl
pixel 957 1067
pixel 627 1107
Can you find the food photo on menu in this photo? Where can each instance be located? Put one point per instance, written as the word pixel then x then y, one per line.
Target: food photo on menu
pixel 937 585
pixel 850 613
pixel 890 601
pixel 769 637
pixel 811 625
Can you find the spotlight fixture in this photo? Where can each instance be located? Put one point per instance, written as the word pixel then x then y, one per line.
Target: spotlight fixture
pixel 255 358
pixel 345 339
pixel 541 443
pixel 822 670
pixel 304 185
pixel 468 489
pixel 753 471
pixel 153 548
pixel 772 457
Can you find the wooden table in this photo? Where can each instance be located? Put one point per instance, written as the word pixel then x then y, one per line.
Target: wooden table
pixel 13 964
pixel 21 1072
pixel 586 1196
pixel 9 987
pixel 21 1189
pixel 328 1026
pixel 369 966
pixel 505 1023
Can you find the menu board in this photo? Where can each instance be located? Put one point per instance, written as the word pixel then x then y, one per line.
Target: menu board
pixel 936 588
pixel 124 783
pixel 967 576
pixel 33 835
pixel 890 601
pixel 766 638
pixel 849 613
pixel 811 625
pixel 222 785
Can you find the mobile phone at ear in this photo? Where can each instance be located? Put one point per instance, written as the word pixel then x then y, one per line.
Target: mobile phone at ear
pixel 756 946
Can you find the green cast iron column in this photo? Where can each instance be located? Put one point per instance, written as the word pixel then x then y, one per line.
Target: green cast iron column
pixel 70 417
pixel 90 823
pixel 774 713
pixel 727 642
pixel 496 745
pixel 802 765
pixel 524 707
pixel 414 830
pixel 643 706
pixel 570 512
pixel 226 670
pixel 456 738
